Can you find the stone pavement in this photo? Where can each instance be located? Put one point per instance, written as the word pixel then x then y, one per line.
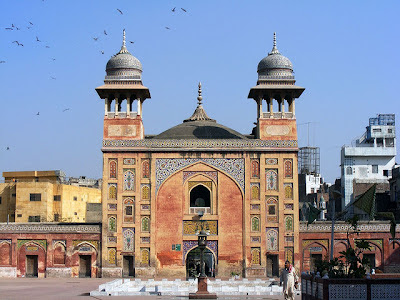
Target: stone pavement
pixel 78 288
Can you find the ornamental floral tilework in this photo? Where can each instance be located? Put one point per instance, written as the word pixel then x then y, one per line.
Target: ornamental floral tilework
pixel 255 224
pixel 146 168
pixel 112 239
pixel 145 224
pixel 191 227
pixel 112 224
pixel 255 206
pixel 271 161
pixel 289 254
pixel 211 174
pixel 112 206
pixel 145 240
pixel 129 179
pixel 288 166
pixel 255 239
pixel 165 167
pixel 129 239
pixel 113 168
pixel 42 243
pixel 288 187
pixel 272 239
pixel 255 168
pixel 112 255
pixel 112 191
pixel 145 191
pixel 194 183
pixel 289 223
pixel 189 245
pixel 255 191
pixel 289 206
pixel 145 256
pixel 129 161
pixel 255 256
pixel 272 179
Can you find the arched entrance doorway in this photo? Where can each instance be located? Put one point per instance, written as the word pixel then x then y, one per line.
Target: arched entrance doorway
pixel 193 263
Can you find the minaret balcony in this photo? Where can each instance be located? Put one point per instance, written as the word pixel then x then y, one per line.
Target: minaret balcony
pixel 121 115
pixel 278 115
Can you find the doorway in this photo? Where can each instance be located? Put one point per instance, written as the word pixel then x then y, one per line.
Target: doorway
pixel 31 266
pixel 85 266
pixel 313 259
pixel 193 263
pixel 128 269
pixel 272 266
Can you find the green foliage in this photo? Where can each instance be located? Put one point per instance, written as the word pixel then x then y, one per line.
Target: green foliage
pixel 349 264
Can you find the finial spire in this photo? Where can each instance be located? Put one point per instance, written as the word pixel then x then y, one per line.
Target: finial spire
pixel 124 39
pixel 274 48
pixel 199 114
pixel 199 98
pixel 123 47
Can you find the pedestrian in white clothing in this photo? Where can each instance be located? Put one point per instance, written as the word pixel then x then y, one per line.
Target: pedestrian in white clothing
pixel 289 279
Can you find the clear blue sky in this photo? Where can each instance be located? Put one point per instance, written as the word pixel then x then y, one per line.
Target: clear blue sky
pixel 345 53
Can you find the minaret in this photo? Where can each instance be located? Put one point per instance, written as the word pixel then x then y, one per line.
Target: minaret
pixel 275 83
pixel 123 83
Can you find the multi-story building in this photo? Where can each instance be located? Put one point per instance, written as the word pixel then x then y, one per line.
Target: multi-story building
pixel 44 196
pixel 371 159
pixel 159 190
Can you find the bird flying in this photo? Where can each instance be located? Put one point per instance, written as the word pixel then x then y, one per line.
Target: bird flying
pixel 105 32
pixel 167 28
pixel 64 110
pixel 47 46
pixel 183 9
pixel 53 77
pixel 37 39
pixel 95 39
pixel 102 52
pixel 120 11
pixel 2 61
pixel 38 113
pixel 173 10
pixel 8 148
pixel 18 43
pixel 9 28
pixel 131 42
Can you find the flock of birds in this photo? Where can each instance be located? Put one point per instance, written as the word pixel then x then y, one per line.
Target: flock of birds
pixel 20 44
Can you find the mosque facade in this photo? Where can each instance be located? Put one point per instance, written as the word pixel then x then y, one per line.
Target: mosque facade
pixel 159 191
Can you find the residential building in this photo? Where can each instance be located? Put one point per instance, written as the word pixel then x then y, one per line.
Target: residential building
pixel 43 196
pixel 371 159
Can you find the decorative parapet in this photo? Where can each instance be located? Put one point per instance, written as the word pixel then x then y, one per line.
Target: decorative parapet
pixel 200 144
pixel 344 227
pixel 49 228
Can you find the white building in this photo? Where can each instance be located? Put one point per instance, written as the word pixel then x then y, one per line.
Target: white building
pixel 372 158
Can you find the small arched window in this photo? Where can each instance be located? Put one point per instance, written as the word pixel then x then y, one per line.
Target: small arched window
pixel 129 210
pixel 200 196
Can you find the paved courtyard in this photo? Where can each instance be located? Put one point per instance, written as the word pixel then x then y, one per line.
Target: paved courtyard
pixel 74 288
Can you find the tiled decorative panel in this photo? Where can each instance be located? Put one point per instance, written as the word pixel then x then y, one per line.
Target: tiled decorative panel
pixel 165 167
pixel 271 161
pixel 128 235
pixel 212 174
pixel 191 227
pixel 189 245
pixel 272 239
pixel 129 161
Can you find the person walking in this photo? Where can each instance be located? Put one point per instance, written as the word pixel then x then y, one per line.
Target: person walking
pixel 289 279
